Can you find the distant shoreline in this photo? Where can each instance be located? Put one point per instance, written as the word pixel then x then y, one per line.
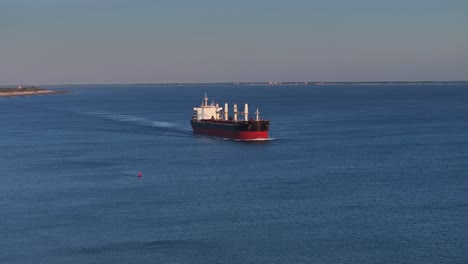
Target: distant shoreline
pixel 27 91
pixel 14 91
pixel 276 83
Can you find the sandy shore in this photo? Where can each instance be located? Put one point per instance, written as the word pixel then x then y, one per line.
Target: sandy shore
pixel 29 93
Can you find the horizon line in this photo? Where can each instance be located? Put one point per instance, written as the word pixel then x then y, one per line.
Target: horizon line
pixel 272 83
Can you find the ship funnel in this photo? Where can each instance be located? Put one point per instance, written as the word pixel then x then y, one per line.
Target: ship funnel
pixel 246 112
pixel 235 112
pixel 226 111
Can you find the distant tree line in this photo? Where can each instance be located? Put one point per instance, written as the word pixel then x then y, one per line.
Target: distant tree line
pixel 22 89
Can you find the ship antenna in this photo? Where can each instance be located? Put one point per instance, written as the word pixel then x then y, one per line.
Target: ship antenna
pixel 257 114
pixel 206 100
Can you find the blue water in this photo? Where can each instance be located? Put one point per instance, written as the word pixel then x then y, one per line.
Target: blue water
pixel 356 174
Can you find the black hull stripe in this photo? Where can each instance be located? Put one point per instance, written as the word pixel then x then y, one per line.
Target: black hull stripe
pixel 240 126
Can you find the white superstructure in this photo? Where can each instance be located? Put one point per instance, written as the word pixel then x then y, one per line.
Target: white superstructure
pixel 206 111
pixel 213 111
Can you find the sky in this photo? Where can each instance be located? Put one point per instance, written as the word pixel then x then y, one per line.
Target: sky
pixel 159 41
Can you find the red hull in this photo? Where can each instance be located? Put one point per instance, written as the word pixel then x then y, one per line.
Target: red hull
pixel 238 135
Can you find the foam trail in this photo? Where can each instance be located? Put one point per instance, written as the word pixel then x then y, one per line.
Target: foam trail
pixel 167 126
pixel 255 139
pixel 261 139
pixel 239 140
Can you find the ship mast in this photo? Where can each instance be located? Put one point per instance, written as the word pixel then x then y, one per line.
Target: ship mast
pixel 235 112
pixel 226 111
pixel 246 112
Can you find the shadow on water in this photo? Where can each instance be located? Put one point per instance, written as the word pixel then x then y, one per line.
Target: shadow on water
pixel 252 141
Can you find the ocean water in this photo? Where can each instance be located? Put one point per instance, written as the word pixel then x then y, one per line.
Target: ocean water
pixel 355 174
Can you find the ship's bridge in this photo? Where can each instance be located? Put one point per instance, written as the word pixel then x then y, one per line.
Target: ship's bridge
pixel 206 111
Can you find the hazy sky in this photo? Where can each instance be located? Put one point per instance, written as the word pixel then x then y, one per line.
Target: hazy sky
pixel 142 41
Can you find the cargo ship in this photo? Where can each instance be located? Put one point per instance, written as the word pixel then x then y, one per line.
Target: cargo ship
pixel 213 120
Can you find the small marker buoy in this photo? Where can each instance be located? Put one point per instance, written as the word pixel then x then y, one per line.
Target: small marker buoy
pixel 139 173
